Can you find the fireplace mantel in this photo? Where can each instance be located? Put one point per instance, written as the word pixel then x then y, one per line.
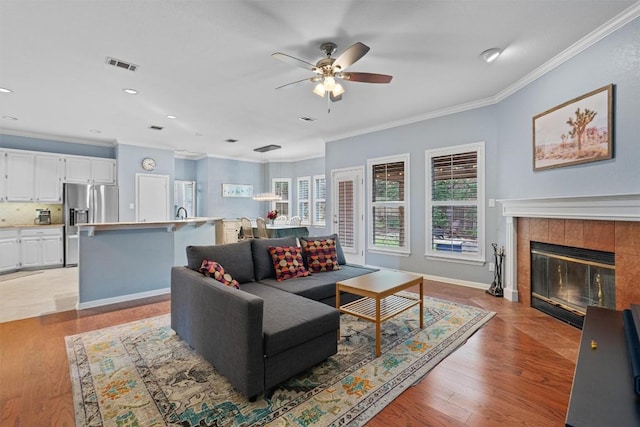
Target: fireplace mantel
pixel 612 207
pixel 615 207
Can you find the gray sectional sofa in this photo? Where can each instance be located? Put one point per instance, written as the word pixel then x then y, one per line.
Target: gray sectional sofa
pixel 267 331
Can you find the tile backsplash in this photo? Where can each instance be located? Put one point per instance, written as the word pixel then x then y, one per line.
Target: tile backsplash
pixel 12 213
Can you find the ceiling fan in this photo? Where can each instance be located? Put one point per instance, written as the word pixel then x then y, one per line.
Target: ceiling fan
pixel 330 70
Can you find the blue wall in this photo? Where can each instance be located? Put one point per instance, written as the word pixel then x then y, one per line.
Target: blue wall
pixel 506 129
pixel 53 146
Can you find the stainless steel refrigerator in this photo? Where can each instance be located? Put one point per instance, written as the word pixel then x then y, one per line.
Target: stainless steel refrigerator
pixel 85 204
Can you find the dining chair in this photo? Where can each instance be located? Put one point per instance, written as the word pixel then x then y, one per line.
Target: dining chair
pixel 247 228
pixel 281 220
pixel 295 220
pixel 262 228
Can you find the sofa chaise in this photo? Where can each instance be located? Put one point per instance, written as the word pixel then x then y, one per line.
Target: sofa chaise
pixel 266 331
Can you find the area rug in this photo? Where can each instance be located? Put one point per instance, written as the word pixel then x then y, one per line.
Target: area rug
pixel 142 374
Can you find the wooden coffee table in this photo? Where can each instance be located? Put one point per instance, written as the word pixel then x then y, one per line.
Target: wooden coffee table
pixel 380 301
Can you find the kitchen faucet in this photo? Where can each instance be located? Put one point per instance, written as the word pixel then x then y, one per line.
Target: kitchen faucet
pixel 178 213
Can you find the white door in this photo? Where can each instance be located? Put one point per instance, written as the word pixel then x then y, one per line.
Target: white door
pixel 152 197
pixel 348 212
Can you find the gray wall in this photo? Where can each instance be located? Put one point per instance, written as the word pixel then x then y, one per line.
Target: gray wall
pixel 53 146
pixel 506 129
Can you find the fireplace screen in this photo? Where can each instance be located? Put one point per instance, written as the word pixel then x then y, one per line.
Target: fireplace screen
pixel 567 280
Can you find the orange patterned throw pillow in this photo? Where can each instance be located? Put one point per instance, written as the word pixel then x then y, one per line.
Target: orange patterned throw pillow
pixel 216 271
pixel 321 255
pixel 287 262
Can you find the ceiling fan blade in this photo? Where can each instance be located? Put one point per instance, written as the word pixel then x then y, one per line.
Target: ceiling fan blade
pixel 351 55
pixel 293 61
pixel 367 77
pixel 308 79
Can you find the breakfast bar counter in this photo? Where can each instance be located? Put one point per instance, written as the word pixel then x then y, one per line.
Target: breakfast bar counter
pixel 130 260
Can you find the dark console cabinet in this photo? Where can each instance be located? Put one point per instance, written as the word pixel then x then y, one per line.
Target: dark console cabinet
pixel 602 392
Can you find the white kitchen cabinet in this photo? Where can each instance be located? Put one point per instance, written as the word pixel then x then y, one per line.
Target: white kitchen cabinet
pixel 20 176
pixel 41 247
pixel 48 178
pixel 3 176
pixel 103 171
pixel 89 170
pixel 9 250
pixel 227 231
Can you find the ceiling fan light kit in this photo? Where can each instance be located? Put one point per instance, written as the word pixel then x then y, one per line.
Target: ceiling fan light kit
pixel 328 70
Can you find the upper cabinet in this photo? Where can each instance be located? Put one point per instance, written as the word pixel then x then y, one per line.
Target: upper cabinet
pixel 32 177
pixel 89 170
pixel 29 176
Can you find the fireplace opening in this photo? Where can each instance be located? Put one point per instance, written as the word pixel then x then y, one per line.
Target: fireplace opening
pixel 565 280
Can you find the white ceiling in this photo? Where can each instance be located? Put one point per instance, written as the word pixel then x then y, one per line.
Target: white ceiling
pixel 209 63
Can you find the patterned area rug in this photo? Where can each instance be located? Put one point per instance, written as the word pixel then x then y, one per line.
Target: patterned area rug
pixel 142 374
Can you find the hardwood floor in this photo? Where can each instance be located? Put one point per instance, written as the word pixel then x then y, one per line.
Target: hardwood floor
pixel 517 370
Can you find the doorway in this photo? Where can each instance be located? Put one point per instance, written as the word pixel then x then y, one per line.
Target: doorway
pixel 348 212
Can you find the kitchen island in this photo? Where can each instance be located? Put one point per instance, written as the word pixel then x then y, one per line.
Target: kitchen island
pixel 122 261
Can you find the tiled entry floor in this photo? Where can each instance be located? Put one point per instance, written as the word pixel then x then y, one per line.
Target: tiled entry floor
pixel 43 292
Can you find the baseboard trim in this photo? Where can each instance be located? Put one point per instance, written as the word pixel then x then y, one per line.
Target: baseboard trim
pixel 448 280
pixel 122 298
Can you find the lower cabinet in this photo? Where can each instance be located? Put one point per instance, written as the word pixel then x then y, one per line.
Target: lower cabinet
pixel 9 250
pixel 227 231
pixel 30 248
pixel 41 247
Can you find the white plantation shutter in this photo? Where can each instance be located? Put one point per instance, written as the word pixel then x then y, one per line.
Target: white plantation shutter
pixel 304 194
pixel 346 214
pixel 319 200
pixel 455 206
pixel 389 204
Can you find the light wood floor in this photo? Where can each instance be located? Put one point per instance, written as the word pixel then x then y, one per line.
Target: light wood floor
pixel 517 370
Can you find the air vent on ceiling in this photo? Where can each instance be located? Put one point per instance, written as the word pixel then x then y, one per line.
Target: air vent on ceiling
pixel 307 119
pixel 154 127
pixel 121 64
pixel 267 148
pixel 231 140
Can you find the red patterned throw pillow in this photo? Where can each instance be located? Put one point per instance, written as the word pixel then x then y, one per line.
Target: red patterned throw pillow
pixel 320 254
pixel 287 261
pixel 216 271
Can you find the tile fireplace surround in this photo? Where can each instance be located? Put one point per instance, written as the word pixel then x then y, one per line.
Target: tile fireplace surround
pixel 608 223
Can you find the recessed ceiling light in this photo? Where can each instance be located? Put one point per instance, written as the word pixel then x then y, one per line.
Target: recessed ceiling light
pixel 130 91
pixel 95 131
pixel 231 140
pixel 5 90
pixel 491 55
pixel 170 116
pixel 9 118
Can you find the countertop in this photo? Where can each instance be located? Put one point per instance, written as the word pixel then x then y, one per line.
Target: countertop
pixel 9 227
pixel 172 225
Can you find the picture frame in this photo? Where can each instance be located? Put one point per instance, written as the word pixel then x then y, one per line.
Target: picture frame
pixel 237 190
pixel 575 132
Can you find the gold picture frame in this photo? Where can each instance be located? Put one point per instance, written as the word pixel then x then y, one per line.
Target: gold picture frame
pixel 575 132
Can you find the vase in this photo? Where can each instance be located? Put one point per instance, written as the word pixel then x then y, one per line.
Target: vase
pixel 272 221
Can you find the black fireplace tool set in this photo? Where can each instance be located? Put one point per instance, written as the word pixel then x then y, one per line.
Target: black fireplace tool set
pixel 496 286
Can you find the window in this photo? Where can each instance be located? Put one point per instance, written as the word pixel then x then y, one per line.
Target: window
pixel 304 194
pixel 184 195
pixel 281 188
pixel 455 202
pixel 319 200
pixel 389 204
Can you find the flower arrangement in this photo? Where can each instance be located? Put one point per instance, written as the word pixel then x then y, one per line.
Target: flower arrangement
pixel 272 214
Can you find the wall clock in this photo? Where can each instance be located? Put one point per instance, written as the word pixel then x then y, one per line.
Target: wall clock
pixel 148 164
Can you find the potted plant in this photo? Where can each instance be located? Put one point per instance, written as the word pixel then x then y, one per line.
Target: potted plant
pixel 272 215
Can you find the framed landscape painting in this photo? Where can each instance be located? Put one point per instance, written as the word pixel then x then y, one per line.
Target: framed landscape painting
pixel 237 190
pixel 578 131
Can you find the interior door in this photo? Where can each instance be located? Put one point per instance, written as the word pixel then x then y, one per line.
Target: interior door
pixel 348 212
pixel 152 197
